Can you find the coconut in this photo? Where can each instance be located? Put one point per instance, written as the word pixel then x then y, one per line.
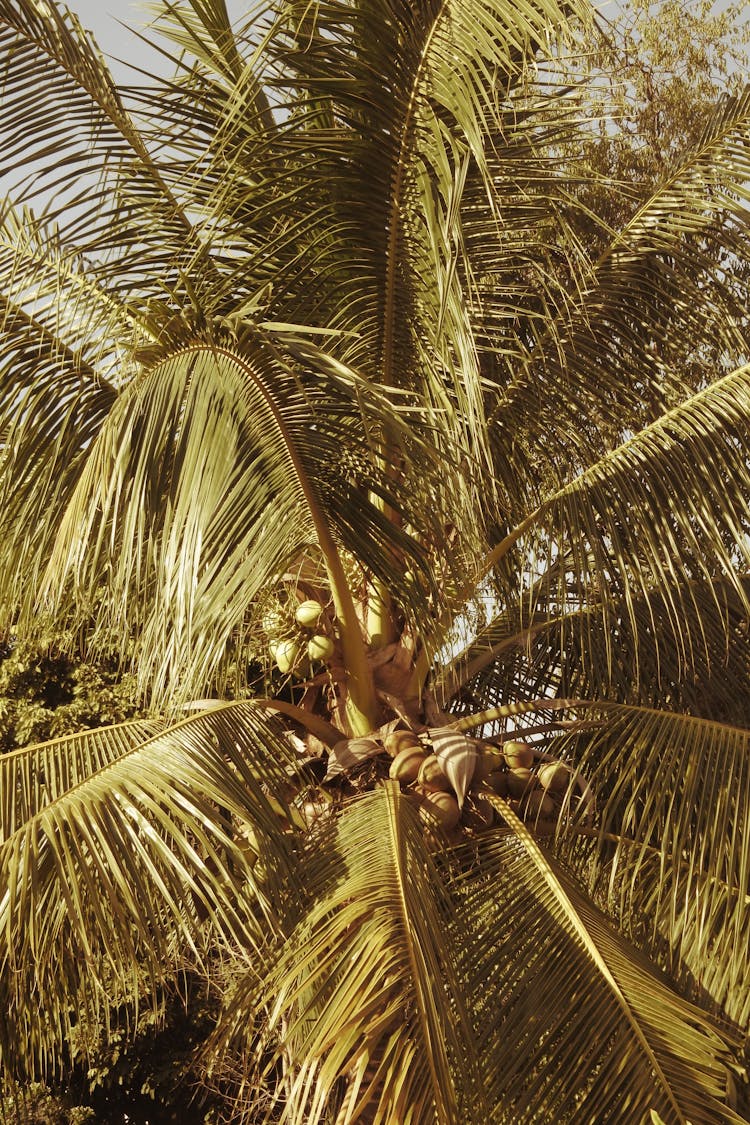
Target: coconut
pixel 320 647
pixel 405 766
pixel 520 781
pixel 307 613
pixel 539 803
pixel 518 754
pixel 441 808
pixel 400 740
pixel 431 775
pixel 285 654
pixel 555 776
pixel 275 618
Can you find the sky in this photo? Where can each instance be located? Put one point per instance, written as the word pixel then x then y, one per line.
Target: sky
pixel 105 19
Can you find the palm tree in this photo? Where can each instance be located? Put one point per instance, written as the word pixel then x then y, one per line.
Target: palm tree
pixel 317 408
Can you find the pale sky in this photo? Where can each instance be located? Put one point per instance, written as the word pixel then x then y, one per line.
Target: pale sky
pixel 105 18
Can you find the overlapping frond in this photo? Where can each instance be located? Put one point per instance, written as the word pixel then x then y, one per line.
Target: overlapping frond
pixel 543 964
pixel 34 776
pixel 123 862
pixel 700 668
pixel 81 154
pixel 364 994
pixel 669 853
pixel 649 516
pixel 662 312
pixel 393 160
pixel 208 476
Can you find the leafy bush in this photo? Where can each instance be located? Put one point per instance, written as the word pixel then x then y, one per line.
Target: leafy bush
pixel 45 692
pixel 38 1105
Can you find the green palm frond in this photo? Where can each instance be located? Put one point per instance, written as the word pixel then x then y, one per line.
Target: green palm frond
pixel 126 860
pixel 49 287
pixel 573 1023
pixel 313 317
pixel 214 119
pixel 247 447
pixel 364 989
pixel 656 317
pixel 399 248
pixel 34 776
pixel 646 516
pixel 700 668
pixel 673 801
pixel 81 153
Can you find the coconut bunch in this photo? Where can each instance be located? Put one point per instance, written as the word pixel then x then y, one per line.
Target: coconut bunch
pixel 295 642
pixel 538 787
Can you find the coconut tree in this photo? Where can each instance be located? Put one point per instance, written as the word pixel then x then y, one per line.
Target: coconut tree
pixel 427 553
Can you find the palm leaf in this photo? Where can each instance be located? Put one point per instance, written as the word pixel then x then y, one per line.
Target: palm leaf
pixel 179 483
pixel 572 1021
pixel 121 865
pixel 647 516
pixel 364 987
pixel 700 669
pixel 102 172
pixel 619 356
pixel 35 775
pixel 58 378
pixel 673 796
pixel 403 212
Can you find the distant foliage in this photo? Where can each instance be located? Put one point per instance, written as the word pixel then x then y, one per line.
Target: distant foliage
pixel 45 692
pixel 40 1106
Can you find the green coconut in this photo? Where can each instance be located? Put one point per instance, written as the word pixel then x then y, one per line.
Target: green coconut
pixel 399 740
pixel 431 775
pixel 555 776
pixel 285 654
pixel 438 807
pixel 320 647
pixel 520 781
pixel 518 754
pixel 308 613
pixel 405 766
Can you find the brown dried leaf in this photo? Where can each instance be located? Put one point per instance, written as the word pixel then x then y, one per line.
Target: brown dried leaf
pixel 458 756
pixel 350 752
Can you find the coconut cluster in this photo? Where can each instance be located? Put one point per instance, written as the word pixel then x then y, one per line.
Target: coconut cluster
pixel 536 786
pixel 311 641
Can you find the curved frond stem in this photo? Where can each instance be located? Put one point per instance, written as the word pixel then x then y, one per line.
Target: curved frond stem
pixel 540 942
pixel 142 845
pixel 584 937
pixel 680 784
pixel 507 710
pixel 361 705
pixel 375 928
pixel 315 724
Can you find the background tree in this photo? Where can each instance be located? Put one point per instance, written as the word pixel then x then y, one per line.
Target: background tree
pixel 306 369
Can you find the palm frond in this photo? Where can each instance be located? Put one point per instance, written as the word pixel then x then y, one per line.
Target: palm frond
pixel 81 153
pixel 659 316
pixel 363 991
pixel 398 219
pixel 699 667
pixel 209 475
pixel 35 775
pixel 124 862
pixel 573 1022
pixel 649 515
pixel 673 798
